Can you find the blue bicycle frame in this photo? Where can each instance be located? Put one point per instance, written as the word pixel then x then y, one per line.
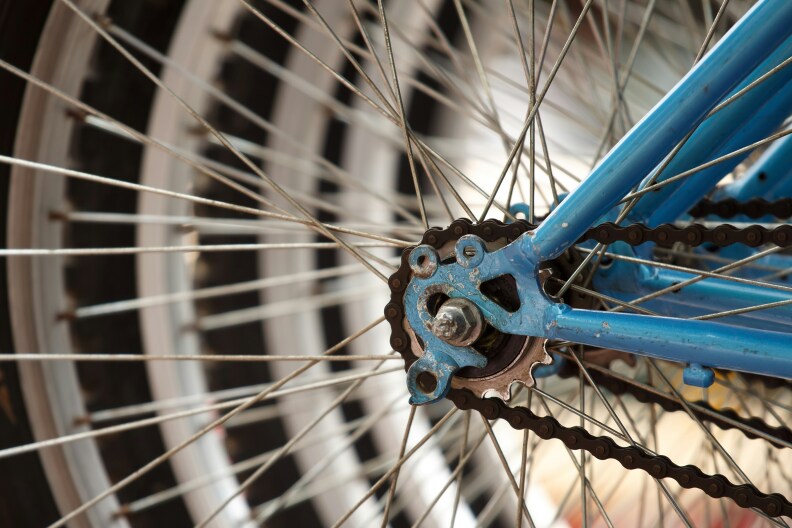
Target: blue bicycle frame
pixel 752 48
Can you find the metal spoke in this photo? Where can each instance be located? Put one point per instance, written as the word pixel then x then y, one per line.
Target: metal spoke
pixel 682 175
pixel 711 31
pixel 454 476
pixel 626 74
pixel 210 397
pixel 382 71
pixel 698 408
pixel 115 307
pixel 353 429
pixel 523 482
pixel 532 113
pixel 202 248
pixel 530 78
pixel 398 464
pixel 735 265
pixel 223 140
pixel 462 449
pixel 748 309
pixel 283 451
pixel 651 185
pixel 507 470
pixel 249 402
pixel 52 169
pixel 274 506
pixel 685 269
pixel 270 392
pixel 334 173
pixel 267 311
pixel 712 440
pixel 224 226
pixel 202 357
pixel 395 477
pixel 386 111
pixel 677 507
pixel 584 481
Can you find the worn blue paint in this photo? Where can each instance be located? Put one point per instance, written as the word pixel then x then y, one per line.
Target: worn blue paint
pixel 442 363
pixel 473 245
pixel 697 375
pixel 681 340
pixel 439 358
pixel 627 281
pixel 714 295
pixel 422 256
pixel 746 45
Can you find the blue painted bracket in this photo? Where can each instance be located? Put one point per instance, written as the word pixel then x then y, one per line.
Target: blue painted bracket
pixel 697 375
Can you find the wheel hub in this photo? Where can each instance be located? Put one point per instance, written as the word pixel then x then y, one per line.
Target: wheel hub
pixel 497 360
pixel 458 322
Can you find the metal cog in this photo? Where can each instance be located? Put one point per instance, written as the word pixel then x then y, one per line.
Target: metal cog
pixel 519 371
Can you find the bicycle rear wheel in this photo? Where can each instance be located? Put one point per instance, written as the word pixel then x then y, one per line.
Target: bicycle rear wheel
pixel 263 233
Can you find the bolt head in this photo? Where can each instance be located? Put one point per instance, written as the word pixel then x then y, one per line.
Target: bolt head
pixel 458 322
pixel 445 325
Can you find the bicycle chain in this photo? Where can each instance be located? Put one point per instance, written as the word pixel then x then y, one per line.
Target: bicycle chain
pixel 666 235
pixel 754 208
pixel 547 427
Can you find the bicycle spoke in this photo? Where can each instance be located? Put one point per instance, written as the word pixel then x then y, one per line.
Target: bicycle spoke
pixel 396 466
pixel 504 463
pixel 206 357
pixel 535 107
pixel 395 477
pixel 677 507
pixel 247 403
pixel 270 393
pixel 358 428
pixel 243 158
pixel 283 451
pixel 711 31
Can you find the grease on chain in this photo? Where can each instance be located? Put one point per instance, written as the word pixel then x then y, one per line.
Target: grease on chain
pixel 521 418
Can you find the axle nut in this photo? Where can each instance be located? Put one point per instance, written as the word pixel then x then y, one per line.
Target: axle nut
pixel 458 322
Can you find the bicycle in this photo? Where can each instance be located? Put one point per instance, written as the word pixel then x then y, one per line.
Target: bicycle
pixel 210 203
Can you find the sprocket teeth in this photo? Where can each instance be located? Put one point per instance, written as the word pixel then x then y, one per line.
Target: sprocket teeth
pixel 500 385
pixel 503 394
